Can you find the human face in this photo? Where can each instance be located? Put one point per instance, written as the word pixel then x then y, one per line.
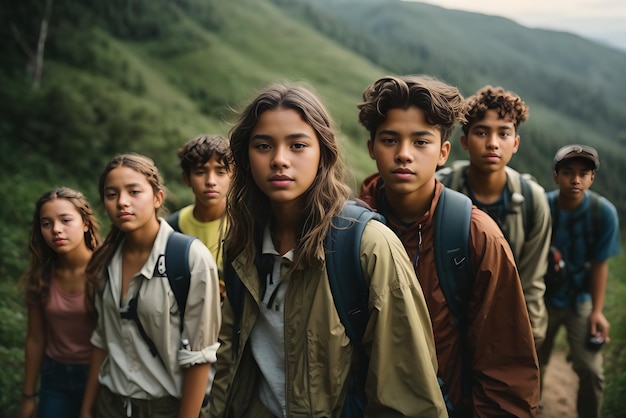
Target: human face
pixel 574 178
pixel 407 151
pixel 284 155
pixel 129 199
pixel 62 226
pixel 491 142
pixel 209 183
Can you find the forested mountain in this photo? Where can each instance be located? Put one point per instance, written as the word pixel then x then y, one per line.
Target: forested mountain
pixel 84 80
pixel 147 75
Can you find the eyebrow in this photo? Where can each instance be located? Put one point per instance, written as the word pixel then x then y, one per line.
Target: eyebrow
pixel 126 186
pixel 416 133
pixel 298 135
pixel 500 127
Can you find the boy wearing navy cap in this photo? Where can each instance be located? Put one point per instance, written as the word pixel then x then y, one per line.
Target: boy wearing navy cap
pixel 585 230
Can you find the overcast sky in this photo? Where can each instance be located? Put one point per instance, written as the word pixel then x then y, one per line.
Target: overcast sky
pixel 596 19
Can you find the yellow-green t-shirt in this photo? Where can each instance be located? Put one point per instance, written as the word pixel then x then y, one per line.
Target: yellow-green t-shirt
pixel 210 233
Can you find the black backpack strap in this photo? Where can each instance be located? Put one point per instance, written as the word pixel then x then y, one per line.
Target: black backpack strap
pixel 452 224
pixel 173 220
pixel 131 314
pixel 177 269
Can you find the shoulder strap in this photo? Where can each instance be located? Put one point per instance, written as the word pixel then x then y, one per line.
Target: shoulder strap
pixel 173 221
pixel 596 213
pixel 528 205
pixel 177 269
pixel 343 264
pixel 452 225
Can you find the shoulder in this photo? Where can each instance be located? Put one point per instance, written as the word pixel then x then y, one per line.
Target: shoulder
pixel 483 230
pixel 378 238
pixel 608 209
pixel 450 175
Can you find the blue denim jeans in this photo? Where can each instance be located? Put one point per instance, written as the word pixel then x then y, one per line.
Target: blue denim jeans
pixel 61 389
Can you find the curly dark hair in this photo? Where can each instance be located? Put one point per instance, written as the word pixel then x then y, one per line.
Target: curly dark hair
pixel 508 105
pixel 200 150
pixel 441 103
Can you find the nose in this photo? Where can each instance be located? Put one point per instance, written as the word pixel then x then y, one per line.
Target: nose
pixel 210 178
pixel 279 157
pixel 122 200
pixel 404 152
pixel 492 141
pixel 56 226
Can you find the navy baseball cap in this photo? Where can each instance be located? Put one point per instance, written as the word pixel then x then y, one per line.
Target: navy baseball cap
pixel 577 151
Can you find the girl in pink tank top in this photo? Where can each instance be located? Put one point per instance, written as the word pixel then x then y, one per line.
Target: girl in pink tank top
pixel 60 305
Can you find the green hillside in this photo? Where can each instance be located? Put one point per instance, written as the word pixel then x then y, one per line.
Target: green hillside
pixel 574 86
pixel 147 75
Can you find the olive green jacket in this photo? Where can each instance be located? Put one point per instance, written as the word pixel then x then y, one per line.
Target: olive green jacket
pixel 401 377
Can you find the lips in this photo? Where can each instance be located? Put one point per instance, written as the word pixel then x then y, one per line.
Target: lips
pixel 124 215
pixel 402 171
pixel 281 180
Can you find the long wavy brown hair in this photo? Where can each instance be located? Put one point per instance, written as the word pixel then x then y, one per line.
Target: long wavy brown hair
pixel 36 279
pixel 142 165
pixel 249 208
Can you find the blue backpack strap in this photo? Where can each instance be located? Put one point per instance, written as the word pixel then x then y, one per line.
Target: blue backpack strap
pixel 351 292
pixel 343 264
pixel 452 224
pixel 173 220
pixel 177 269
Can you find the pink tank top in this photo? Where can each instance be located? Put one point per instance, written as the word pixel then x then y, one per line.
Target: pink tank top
pixel 68 327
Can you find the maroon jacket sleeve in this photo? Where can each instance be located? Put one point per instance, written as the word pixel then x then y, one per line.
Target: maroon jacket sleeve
pixel 505 370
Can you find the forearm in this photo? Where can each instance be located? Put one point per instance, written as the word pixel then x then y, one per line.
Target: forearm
pixel 91 389
pixel 195 380
pixel 33 357
pixel 597 287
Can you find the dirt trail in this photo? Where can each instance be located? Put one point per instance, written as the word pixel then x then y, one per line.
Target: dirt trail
pixel 560 388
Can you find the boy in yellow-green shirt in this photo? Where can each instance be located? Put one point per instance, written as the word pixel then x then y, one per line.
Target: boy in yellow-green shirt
pixel 206 163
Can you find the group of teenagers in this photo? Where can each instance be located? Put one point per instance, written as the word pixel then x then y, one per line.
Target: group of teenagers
pixel 105 337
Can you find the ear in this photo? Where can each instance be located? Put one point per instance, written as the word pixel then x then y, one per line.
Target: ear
pixel 444 153
pixel 464 142
pixel 370 148
pixel 158 199
pixel 555 177
pixel 516 145
pixel 185 177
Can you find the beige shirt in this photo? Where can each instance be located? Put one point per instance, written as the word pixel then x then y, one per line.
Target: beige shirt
pixel 130 369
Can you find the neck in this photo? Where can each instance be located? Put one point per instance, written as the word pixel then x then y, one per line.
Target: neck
pixel 142 239
pixel 486 186
pixel 287 220
pixel 208 213
pixel 409 208
pixel 569 204
pixel 75 260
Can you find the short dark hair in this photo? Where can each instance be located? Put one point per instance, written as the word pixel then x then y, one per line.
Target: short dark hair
pixel 440 102
pixel 506 103
pixel 200 150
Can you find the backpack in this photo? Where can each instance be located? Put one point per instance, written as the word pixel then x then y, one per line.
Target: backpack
pixel 452 176
pixel 178 276
pixel 173 221
pixel 343 260
pixel 558 272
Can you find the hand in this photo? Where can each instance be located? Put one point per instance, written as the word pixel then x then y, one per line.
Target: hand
pixel 599 326
pixel 28 408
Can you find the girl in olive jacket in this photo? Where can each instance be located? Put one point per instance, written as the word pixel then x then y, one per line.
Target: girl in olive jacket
pixel 292 356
